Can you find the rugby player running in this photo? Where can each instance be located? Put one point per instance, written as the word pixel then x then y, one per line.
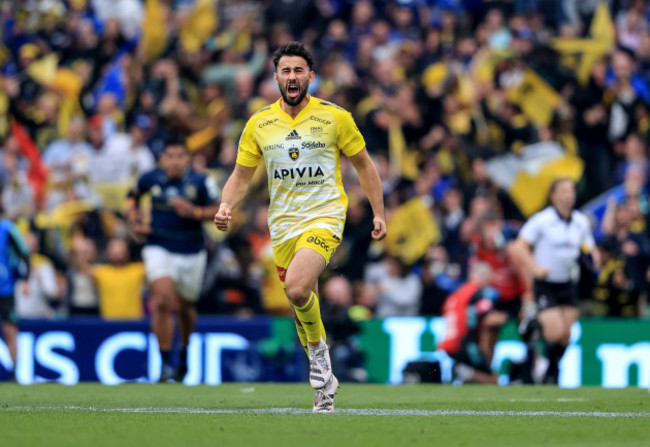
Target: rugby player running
pixel 174 254
pixel 300 138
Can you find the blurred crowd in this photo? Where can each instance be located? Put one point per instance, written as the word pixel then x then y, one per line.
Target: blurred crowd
pixel 445 92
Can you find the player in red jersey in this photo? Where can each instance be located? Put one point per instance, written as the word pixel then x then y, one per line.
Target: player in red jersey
pixel 468 313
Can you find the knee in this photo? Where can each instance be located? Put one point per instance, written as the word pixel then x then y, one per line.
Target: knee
pixel 186 308
pixel 160 303
pixel 298 293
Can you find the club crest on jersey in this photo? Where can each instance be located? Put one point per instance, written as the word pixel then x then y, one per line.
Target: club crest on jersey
pixel 190 192
pixel 294 153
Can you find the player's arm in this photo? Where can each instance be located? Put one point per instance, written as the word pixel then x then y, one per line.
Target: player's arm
pixel 523 251
pixel 233 193
pixel 371 184
pixel 137 229
pixel 206 208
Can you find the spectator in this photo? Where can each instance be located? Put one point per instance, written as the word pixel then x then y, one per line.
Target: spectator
pixel 38 296
pixel 83 299
pixel 120 283
pixel 397 290
pixel 347 359
pixel 68 160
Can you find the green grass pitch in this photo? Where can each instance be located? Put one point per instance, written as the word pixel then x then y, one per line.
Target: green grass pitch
pixel 278 415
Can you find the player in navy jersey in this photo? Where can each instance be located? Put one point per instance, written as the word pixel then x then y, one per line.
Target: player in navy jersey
pixel 174 254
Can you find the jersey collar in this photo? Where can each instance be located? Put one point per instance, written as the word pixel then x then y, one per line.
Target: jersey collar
pixel 307 107
pixel 559 216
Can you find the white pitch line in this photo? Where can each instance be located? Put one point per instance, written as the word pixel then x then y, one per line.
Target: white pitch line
pixel 535 399
pixel 341 411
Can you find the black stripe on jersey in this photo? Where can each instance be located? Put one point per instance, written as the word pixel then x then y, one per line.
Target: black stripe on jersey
pixel 325 103
pixel 263 109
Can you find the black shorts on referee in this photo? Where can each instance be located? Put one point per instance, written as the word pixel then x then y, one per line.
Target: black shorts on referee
pixel 553 294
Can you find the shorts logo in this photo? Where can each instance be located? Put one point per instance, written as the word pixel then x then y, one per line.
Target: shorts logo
pixel 318 241
pixel 293 135
pixel 543 301
pixel 294 153
pixel 282 273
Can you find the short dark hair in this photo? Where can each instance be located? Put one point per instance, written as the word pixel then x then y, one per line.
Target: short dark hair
pixel 293 49
pixel 557 182
pixel 175 140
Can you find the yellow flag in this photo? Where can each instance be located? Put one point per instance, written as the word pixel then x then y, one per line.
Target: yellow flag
pixel 44 70
pixel 154 31
pixel 62 215
pixel 402 160
pixel 412 229
pixel 530 191
pixel 602 38
pixel 199 26
pixel 537 99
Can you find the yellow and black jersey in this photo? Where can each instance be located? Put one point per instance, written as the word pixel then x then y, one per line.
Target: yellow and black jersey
pixel 302 159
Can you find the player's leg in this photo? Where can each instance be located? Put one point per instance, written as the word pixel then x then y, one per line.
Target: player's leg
pixel 187 316
pixel 10 336
pixel 489 332
pixel 162 303
pixel 191 270
pixel 554 333
pixel 470 364
pixel 9 320
pixel 302 335
pixel 570 315
pixel 303 272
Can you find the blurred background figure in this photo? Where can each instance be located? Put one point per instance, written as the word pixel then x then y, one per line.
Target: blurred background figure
pixel 38 296
pixel 336 305
pixel 119 282
pixel 14 266
pixel 470 320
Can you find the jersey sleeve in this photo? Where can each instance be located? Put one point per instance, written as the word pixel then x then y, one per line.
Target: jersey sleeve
pixel 248 152
pixel 210 190
pixel 531 230
pixel 349 139
pixel 141 186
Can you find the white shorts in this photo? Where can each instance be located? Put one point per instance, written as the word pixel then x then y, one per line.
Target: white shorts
pixel 185 270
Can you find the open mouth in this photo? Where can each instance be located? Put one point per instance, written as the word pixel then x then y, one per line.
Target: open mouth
pixel 293 90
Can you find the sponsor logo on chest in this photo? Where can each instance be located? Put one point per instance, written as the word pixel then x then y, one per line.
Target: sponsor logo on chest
pixel 297 173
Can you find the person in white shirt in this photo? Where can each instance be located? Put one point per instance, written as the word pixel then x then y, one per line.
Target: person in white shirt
pixel 549 246
pixel 68 160
pixel 399 291
pixel 34 295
